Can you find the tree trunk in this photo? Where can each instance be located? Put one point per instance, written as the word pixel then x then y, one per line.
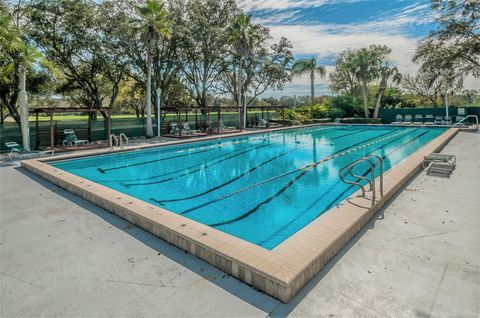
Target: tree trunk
pixel 239 93
pixel 312 87
pixel 378 103
pixel 149 100
pixel 23 107
pixel 365 98
pixel 158 111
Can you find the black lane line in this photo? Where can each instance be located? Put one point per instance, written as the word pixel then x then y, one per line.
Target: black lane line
pixel 369 169
pixel 328 192
pixel 203 167
pixel 213 148
pixel 128 185
pixel 276 177
pixel 182 169
pixel 156 160
pixel 279 192
pixel 162 202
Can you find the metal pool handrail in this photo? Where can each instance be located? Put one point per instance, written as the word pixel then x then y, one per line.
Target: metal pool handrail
pixel 113 141
pixel 469 116
pixel 122 137
pixel 373 161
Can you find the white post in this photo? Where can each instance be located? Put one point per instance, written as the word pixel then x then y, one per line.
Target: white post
pixel 23 107
pixel 158 110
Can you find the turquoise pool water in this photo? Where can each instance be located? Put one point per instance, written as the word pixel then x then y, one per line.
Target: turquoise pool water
pixel 262 188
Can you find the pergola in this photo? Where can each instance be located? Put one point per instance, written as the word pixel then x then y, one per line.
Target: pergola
pixel 209 126
pixel 57 110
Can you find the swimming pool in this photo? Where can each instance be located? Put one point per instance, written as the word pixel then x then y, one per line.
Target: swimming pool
pixel 261 188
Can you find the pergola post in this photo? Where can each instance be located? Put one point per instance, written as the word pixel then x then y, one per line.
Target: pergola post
pixel 218 120
pixel 37 132
pixel 89 131
pixel 52 141
pixel 196 118
pixel 109 127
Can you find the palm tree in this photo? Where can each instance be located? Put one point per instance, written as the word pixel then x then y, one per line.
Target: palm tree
pixel 10 35
pixel 243 35
pixel 154 27
pixel 386 72
pixel 309 66
pixel 365 63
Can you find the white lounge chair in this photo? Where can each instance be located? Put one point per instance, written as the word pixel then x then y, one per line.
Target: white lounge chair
pixel 71 138
pixel 398 120
pixel 439 164
pixel 408 120
pixel 418 120
pixel 18 151
pixel 429 119
pixel 438 120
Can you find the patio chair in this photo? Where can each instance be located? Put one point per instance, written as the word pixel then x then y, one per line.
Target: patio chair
pixel 408 120
pixel 459 119
pixel 398 120
pixel 338 120
pixel 71 138
pixel 262 123
pixel 186 129
pixel 418 120
pixel 438 120
pixel 440 164
pixel 21 153
pixel 429 119
pixel 439 158
pixel 174 129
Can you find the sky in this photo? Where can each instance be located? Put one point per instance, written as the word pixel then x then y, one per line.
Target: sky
pixel 324 28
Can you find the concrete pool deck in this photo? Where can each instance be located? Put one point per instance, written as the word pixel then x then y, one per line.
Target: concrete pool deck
pixel 64 256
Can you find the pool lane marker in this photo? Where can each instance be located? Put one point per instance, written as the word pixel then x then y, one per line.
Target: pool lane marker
pixel 162 202
pixel 183 154
pixel 328 191
pixel 309 166
pixel 203 166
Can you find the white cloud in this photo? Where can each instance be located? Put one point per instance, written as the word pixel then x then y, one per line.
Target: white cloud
pixel 326 40
pixel 272 5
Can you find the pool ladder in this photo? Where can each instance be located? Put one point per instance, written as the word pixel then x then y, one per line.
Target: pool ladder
pixel 120 141
pixel 373 161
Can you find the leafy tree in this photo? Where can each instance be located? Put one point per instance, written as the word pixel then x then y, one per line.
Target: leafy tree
pixel 455 45
pixel 343 79
pixel 386 72
pixel 154 26
pixel 204 46
pixel 431 85
pixel 18 57
pixel 366 62
pixel 243 35
pixel 309 66
pixel 266 66
pixel 81 38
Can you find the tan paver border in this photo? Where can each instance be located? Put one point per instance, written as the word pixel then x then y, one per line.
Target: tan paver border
pixel 280 272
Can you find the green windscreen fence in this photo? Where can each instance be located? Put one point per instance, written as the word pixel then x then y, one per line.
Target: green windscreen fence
pixel 132 127
pixel 388 115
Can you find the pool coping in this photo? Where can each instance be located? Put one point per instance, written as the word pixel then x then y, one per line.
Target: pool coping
pixel 280 272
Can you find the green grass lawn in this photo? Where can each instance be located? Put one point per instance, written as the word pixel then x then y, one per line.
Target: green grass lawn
pixel 126 116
